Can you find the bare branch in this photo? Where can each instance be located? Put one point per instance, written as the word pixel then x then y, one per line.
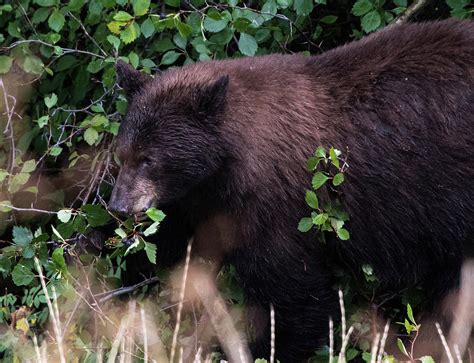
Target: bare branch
pixel 416 6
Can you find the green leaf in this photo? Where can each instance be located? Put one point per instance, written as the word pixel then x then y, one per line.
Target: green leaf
pixel 180 41
pixel 320 219
pixel 50 101
pixel 403 3
pixel 22 236
pixel 121 233
pixel 312 199
pixel 40 15
pixel 112 39
pixel 170 57
pixel 147 28
pixel 75 5
pixel 96 215
pixel 241 24
pixel 95 66
pixel 64 215
pixel 14 29
pixel 134 59
pixel 33 64
pixel 247 44
pixel 303 7
pixel 5 264
pixel 58 260
pixel 91 136
pixel 155 215
pixel 269 9
pixel 371 21
pixel 457 4
pixel 28 251
pixel 116 27
pixel 42 121
pixel 320 152
pixel 57 233
pixel 401 346
pixel 338 179
pixel 22 275
pixel 427 359
pixel 5 63
pixel 336 224
pixel 305 224
pixel 319 179
pixel 150 250
pixel 328 19
pixel 151 229
pixel 362 7
pixel 55 150
pixel 140 7
pixel 28 166
pixel 123 16
pixel 333 157
pixel 283 4
pixel 214 26
pixel 312 163
pixel 351 354
pixel 173 3
pixel 185 30
pixel 410 314
pixel 130 33
pixel 343 234
pixel 46 3
pixel 56 21
pixel 17 181
pixel 368 270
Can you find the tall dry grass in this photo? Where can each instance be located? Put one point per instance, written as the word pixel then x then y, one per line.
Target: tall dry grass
pixel 133 334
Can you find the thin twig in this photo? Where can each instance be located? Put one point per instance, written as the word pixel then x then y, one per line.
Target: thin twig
pixel 37 351
pixel 105 296
pixel 272 333
pixel 445 344
pixel 411 11
pixel 37 41
pixel 52 313
pixel 343 314
pixel 375 347
pixel 331 340
pixel 181 299
pixel 145 336
pixel 345 342
pixel 34 210
pixel 382 342
pixel 118 339
pixel 87 34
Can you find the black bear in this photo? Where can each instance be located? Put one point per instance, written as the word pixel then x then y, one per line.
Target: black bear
pixel 222 146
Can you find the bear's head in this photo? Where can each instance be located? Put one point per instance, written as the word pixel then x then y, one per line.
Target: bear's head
pixel 169 141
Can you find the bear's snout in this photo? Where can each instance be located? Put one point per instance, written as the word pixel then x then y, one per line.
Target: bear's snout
pixel 132 195
pixel 119 202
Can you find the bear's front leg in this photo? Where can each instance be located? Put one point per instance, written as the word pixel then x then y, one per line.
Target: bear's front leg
pixel 303 301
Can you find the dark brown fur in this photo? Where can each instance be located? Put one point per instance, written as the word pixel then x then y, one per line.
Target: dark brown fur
pixel 232 137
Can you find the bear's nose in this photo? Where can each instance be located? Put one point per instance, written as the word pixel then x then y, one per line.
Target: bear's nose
pixel 118 208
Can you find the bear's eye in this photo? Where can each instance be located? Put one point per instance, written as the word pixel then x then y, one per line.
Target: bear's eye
pixel 147 161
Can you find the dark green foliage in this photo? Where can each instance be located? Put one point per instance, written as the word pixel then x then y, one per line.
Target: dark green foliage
pixel 328 217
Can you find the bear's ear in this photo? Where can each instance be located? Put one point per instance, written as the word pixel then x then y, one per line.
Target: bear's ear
pixel 212 98
pixel 130 79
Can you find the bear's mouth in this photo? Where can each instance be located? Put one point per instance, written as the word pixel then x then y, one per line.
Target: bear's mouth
pixel 140 217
